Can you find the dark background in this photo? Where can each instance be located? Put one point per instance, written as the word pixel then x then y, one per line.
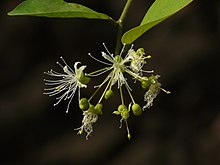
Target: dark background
pixel 180 129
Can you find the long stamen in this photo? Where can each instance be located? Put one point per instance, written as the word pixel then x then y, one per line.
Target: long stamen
pixel 98 60
pixel 121 94
pixel 129 92
pixel 68 105
pixel 106 88
pixel 167 92
pixel 107 50
pixel 147 71
pixel 122 50
pixel 66 64
pixel 99 86
pixel 136 76
pixel 129 50
pixel 99 72
pixel 59 64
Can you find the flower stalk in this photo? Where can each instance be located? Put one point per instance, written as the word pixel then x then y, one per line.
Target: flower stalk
pixel 120 25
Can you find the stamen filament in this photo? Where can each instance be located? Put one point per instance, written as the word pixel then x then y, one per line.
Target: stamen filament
pixel 107 50
pixel 99 60
pixel 129 92
pixel 136 76
pixel 121 94
pixel 103 70
pixel 94 93
pixel 167 92
pixel 106 87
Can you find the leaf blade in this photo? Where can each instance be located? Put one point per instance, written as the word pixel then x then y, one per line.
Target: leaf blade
pixel 158 12
pixel 56 9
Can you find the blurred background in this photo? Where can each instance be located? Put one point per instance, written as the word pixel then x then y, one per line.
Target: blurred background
pixel 182 128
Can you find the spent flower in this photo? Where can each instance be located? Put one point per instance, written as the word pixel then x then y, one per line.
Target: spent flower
pixel 89 118
pixel 153 91
pixel 138 60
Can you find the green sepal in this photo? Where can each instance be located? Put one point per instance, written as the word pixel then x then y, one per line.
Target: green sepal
pixel 116 113
pixel 85 80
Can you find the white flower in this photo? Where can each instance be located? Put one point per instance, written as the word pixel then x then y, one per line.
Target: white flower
pixel 116 65
pixel 66 84
pixel 88 119
pixel 118 69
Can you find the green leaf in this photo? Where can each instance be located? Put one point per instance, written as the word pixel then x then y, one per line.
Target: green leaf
pixel 56 8
pixel 159 11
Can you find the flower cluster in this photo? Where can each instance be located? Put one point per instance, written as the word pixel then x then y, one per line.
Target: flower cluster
pixel 119 68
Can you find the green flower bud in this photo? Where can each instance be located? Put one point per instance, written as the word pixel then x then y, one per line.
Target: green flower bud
pixel 125 114
pixel 84 104
pixel 108 94
pixel 136 109
pixel 121 108
pixel 98 108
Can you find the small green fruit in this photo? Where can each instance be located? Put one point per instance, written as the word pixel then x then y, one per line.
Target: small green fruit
pixel 84 104
pixel 121 108
pixel 98 108
pixel 145 83
pixel 125 114
pixel 136 109
pixel 109 93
